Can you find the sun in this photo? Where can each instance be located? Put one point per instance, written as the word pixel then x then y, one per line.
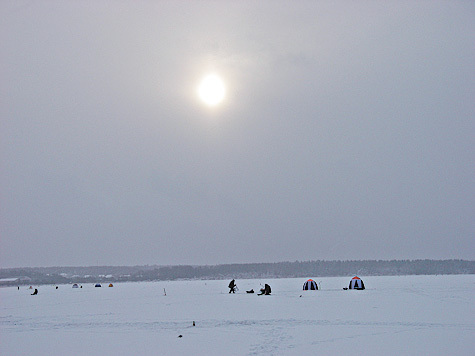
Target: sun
pixel 211 90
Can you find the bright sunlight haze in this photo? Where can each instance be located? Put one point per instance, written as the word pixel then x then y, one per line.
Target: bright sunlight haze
pixel 211 90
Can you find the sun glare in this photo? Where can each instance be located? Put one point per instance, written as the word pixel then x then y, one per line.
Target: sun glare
pixel 211 90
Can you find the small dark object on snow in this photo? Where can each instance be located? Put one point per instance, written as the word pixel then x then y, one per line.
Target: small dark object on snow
pixel 35 292
pixel 250 291
pixel 56 287
pixel 345 288
pixel 180 335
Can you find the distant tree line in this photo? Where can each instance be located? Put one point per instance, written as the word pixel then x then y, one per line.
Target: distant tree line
pixel 65 275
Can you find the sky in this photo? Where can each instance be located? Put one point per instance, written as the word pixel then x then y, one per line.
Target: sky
pixel 346 132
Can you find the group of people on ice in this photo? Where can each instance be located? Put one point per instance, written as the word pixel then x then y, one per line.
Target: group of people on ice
pixel 355 283
pixel 266 290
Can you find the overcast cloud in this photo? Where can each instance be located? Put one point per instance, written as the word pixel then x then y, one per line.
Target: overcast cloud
pixel 347 132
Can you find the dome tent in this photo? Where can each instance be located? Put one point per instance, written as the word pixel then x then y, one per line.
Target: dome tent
pixel 310 285
pixel 356 283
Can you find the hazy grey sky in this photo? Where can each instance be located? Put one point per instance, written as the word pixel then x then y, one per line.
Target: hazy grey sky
pixel 347 131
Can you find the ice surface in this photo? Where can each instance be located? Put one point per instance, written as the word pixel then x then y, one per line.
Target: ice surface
pixel 410 315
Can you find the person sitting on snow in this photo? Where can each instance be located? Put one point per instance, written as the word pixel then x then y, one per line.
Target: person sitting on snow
pixel 266 290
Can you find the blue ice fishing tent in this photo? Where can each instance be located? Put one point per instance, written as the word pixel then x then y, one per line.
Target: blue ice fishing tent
pixel 356 283
pixel 310 285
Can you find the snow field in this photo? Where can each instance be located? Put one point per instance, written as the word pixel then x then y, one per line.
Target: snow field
pixel 410 315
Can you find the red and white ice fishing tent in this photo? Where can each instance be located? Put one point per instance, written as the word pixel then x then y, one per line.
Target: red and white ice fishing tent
pixel 356 283
pixel 310 285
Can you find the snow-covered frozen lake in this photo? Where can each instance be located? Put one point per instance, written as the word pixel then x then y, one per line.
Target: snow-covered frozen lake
pixel 404 315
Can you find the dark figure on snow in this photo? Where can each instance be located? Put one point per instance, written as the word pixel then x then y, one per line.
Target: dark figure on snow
pixel 250 291
pixel 232 287
pixel 266 290
pixel 35 292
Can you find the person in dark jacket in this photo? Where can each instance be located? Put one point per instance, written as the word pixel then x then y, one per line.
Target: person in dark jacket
pixel 35 292
pixel 266 290
pixel 232 287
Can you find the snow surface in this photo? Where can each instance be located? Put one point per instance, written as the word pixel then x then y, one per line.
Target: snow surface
pixel 409 315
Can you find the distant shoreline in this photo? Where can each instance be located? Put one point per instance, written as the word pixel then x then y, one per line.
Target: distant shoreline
pixel 297 269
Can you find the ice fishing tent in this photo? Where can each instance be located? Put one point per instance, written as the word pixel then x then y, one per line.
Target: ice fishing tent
pixel 75 285
pixel 356 283
pixel 98 285
pixel 310 285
